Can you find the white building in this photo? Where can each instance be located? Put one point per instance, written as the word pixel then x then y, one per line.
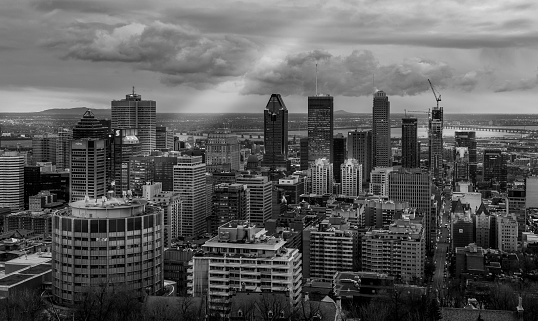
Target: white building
pixel 379 181
pixel 507 229
pixel 88 169
pixel 12 180
pixel 171 203
pixel 322 176
pixel 243 257
pixel 351 174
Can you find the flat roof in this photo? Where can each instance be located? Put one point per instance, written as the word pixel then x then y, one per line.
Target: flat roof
pixel 38 269
pixel 232 245
pixel 14 279
pixel 32 259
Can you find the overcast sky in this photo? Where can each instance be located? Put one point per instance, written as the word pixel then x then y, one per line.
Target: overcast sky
pixel 228 56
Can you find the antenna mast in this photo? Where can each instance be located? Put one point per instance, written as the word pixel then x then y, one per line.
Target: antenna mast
pixel 133 90
pixel 316 78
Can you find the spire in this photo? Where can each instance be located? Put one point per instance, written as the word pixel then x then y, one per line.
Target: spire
pixel 316 78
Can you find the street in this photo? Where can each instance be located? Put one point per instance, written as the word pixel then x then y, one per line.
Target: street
pixel 440 253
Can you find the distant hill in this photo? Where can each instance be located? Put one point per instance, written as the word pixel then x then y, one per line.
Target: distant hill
pixel 342 112
pixel 77 111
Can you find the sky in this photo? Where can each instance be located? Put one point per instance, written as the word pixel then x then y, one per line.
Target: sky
pixel 230 56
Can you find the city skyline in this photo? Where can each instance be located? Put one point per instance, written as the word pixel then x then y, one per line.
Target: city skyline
pixel 193 57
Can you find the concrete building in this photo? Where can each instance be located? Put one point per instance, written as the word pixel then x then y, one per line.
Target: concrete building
pixel 230 202
pixel 38 222
pixel 243 257
pixel 44 148
pixel 495 166
pixel 359 147
pixel 12 180
pixel 382 152
pixel 531 189
pixel 190 182
pixel 507 233
pixel 351 177
pixel 329 247
pixel 171 204
pixel 260 190
pixel 63 148
pixel 379 181
pixel 399 251
pixel 176 264
pixel 410 145
pixel 293 187
pixel 141 170
pixel 222 152
pixel 88 169
pixel 275 133
pixel 413 186
pixel 117 242
pixel 133 112
pixel 320 127
pixel 322 176
pixel 462 231
pixel 482 230
pixel 164 138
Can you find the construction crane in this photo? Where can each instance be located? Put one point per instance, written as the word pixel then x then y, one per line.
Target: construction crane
pixel 435 93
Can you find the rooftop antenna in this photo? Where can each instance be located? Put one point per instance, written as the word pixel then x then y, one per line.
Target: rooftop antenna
pixel 373 82
pixel 316 78
pixel 133 90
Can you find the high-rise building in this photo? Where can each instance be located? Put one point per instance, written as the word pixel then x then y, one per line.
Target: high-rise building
pixel 32 183
pixel 275 133
pixel 164 138
pixel 141 170
pixel 410 145
pixel 382 152
pixel 125 145
pixel 379 213
pixel 320 127
pixel 435 142
pixel 531 188
pixel 222 152
pixel 164 170
pixel 293 187
pixel 12 180
pixel 260 189
pixel 133 112
pixel 243 257
pixel 461 164
pixel 399 251
pixel 351 173
pixel 44 148
pixel 359 147
pixel 90 127
pixel 468 139
pixel 507 233
pixel 88 170
pixel 63 145
pixel 413 186
pixel 230 202
pixel 339 155
pixel 482 230
pixel 171 204
pixel 123 248
pixel 303 145
pixel 329 247
pixel 322 176
pixel 379 181
pixel 190 182
pixel 495 167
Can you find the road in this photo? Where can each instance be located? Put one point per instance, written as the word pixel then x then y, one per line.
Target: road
pixel 440 253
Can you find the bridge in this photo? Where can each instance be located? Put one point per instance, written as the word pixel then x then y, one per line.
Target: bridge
pixel 492 129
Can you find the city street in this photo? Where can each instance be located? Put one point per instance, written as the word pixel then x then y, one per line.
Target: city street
pixel 440 253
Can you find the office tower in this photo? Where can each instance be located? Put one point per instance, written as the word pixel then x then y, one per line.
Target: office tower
pixel 63 145
pixel 322 177
pixel 399 251
pixel 275 133
pixel 382 153
pixel 507 233
pixel 379 213
pixel 32 183
pixel 141 171
pixel 339 155
pixel 164 170
pixel 461 164
pixel 123 248
pixel 495 168
pixel 462 231
pixel 125 145
pixel 351 173
pixel 57 183
pixel 359 147
pixel 44 148
pixel 12 180
pixel 412 186
pixel 164 138
pixel 190 182
pixel 230 202
pixel 410 146
pixel 222 152
pixel 171 204
pixel 260 189
pixel 320 128
pixel 468 139
pixel 329 247
pixel 88 170
pixel 303 145
pixel 379 181
pixel 531 189
pixel 133 112
pixel 482 230
pixel 293 187
pixel 243 257
pixel 90 127
pixel 435 142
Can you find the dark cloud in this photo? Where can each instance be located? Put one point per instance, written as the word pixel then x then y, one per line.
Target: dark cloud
pixel 94 6
pixel 345 75
pixel 522 84
pixel 180 53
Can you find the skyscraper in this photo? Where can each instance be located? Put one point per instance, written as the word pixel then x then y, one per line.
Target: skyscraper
pixel 275 133
pixel 63 145
pixel 410 151
pixel 229 202
pixel 435 142
pixel 90 127
pixel 359 147
pixel 164 138
pixel 190 182
pixel 222 152
pixel 495 168
pixel 44 148
pixel 88 170
pixel 133 112
pixel 339 155
pixel 322 177
pixel 351 174
pixel 125 145
pixel 382 153
pixel 12 180
pixel 320 128
pixel 260 191
pixel 468 139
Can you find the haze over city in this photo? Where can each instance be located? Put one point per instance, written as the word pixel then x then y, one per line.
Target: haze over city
pixel 216 56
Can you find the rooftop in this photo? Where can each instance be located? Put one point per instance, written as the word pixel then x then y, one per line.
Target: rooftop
pixel 32 259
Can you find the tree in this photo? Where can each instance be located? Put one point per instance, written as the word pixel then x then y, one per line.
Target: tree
pixel 22 306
